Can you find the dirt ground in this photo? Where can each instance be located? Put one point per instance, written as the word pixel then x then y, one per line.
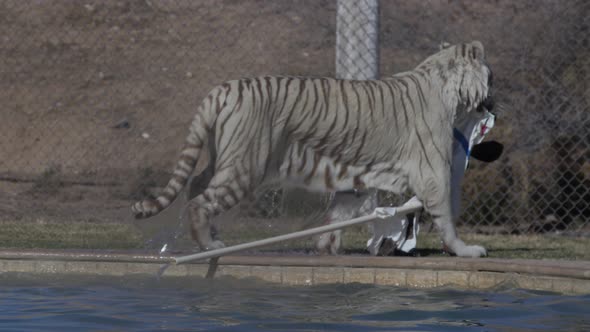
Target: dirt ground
pixel 96 96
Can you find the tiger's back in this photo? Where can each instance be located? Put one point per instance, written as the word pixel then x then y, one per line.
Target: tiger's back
pixel 319 132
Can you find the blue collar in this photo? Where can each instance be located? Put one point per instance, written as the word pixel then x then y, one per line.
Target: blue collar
pixel 462 140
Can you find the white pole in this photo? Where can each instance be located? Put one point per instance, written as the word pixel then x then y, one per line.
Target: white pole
pixel 410 207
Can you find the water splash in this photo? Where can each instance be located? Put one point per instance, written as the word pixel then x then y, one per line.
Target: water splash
pixel 170 241
pixel 161 271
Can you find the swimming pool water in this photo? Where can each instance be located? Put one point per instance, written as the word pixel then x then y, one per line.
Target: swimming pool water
pixel 140 303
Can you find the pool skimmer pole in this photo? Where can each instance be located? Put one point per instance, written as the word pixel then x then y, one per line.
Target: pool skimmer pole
pixel 379 213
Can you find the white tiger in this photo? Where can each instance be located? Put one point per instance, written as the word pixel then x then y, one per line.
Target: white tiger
pixel 469 132
pixel 325 134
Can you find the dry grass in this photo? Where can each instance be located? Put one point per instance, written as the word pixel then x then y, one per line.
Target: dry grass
pixel 70 235
pixel 522 246
pixel 80 235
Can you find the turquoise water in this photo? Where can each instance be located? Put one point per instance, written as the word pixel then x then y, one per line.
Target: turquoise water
pixel 61 303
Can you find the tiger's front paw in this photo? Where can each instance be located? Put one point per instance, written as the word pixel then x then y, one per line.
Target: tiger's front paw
pixel 473 251
pixel 463 250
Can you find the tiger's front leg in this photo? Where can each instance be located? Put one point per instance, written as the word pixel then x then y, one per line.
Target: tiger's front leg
pixel 446 226
pixel 453 243
pixel 435 195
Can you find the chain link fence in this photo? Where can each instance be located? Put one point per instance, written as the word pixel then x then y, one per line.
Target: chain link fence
pixel 96 97
pixel 357 39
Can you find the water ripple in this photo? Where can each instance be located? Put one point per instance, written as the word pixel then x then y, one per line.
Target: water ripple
pixel 30 303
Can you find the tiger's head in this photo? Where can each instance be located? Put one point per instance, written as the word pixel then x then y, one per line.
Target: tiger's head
pixel 464 77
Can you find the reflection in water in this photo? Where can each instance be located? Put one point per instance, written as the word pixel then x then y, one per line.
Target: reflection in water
pixel 140 303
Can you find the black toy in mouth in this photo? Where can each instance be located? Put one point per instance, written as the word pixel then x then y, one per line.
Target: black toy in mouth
pixel 487 104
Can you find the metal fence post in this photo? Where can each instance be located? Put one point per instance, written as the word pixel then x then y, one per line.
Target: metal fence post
pixel 357 38
pixel 357 51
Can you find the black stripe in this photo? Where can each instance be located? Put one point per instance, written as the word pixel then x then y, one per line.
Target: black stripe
pixel 238 130
pixel 370 92
pixel 305 114
pixel 286 94
pixel 303 160
pixel 404 106
pixel 423 152
pixel 290 163
pixel 272 115
pixel 328 178
pixel 260 122
pixel 354 132
pixel 379 85
pixel 344 97
pixel 314 122
pixel 337 148
pixel 297 100
pixel 254 148
pixel 390 85
pixel 407 94
pixel 360 148
pixel 358 104
pixel 343 171
pixel 326 85
pixel 316 160
pixel 322 144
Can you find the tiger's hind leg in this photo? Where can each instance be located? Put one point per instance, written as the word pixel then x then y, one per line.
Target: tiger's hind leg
pixel 225 190
pixel 345 205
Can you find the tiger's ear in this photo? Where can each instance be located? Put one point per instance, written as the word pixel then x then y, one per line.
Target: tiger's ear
pixel 477 51
pixel 443 45
pixel 487 151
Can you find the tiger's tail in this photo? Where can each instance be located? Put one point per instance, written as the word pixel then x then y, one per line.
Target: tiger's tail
pixel 195 141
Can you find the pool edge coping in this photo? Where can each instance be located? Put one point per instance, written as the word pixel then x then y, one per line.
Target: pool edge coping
pixel 568 277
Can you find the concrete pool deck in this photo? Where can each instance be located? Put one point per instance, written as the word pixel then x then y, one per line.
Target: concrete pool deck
pixel 567 277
